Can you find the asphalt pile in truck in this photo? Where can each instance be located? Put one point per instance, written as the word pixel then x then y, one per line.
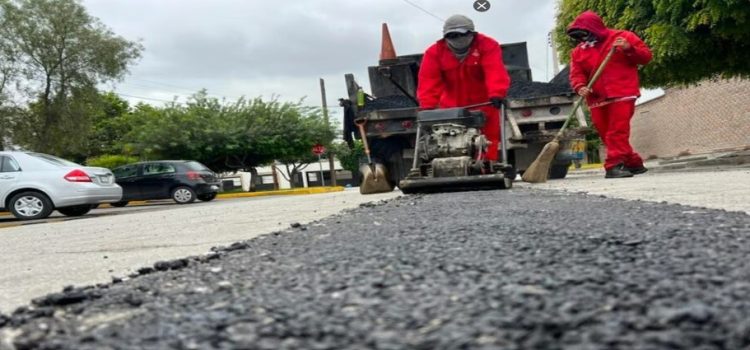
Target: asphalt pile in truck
pixel 518 90
pixel 473 270
pixel 534 89
pixel 389 102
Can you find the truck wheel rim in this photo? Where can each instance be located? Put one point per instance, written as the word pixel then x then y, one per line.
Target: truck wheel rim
pixel 29 206
pixel 182 195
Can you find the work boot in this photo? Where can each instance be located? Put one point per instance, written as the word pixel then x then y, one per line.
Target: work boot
pixel 617 172
pixel 637 170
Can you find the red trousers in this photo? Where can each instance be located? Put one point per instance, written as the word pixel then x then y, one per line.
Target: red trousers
pixel 612 121
pixel 491 131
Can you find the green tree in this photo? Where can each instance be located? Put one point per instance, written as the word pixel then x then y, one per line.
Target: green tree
pixel 8 74
pixel 227 136
pixel 691 39
pixel 350 157
pixel 62 53
pixel 110 122
pixel 301 135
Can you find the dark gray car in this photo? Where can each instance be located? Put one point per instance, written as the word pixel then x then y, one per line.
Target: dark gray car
pixel 183 181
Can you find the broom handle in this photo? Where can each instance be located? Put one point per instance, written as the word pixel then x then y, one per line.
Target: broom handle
pixel 590 84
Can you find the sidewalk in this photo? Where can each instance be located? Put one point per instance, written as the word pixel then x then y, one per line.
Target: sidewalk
pixel 698 162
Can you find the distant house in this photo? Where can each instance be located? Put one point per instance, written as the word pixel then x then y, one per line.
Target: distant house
pixel 713 116
pixel 308 177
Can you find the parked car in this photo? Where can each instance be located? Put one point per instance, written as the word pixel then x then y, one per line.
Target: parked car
pixel 32 185
pixel 183 181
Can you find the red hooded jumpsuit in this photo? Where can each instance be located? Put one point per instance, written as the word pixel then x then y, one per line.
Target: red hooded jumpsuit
pixel 612 101
pixel 446 82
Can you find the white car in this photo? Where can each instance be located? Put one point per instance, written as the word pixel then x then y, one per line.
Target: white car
pixel 32 185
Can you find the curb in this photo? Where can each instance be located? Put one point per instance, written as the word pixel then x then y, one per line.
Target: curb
pixel 299 191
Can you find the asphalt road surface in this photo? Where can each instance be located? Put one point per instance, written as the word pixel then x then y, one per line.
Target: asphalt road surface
pixel 518 269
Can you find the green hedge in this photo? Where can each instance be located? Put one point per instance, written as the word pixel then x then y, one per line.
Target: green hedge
pixel 110 161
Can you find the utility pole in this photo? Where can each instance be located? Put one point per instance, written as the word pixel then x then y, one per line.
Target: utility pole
pixel 555 60
pixel 331 163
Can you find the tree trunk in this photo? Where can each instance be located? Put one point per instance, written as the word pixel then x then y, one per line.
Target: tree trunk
pixel 292 177
pixel 253 178
pixel 48 119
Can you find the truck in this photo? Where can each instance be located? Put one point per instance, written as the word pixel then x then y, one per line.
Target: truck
pixel 534 113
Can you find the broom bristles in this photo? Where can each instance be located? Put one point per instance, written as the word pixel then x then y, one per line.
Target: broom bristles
pixel 538 171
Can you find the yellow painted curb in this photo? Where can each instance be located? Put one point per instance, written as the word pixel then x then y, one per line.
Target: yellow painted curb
pixel 296 191
pixel 587 166
pixel 130 204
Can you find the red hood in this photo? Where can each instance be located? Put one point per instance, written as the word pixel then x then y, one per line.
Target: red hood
pixel 590 21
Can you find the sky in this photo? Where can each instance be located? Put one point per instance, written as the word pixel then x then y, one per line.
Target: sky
pixel 281 48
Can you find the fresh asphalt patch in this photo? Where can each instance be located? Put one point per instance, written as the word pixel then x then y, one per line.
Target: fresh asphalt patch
pixel 516 269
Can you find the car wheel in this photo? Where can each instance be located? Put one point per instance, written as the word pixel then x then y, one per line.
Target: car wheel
pixel 30 206
pixel 207 197
pixel 119 204
pixel 78 210
pixel 183 195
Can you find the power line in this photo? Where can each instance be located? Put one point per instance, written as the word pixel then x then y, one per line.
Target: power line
pixel 424 10
pixel 174 89
pixel 144 98
pixel 181 87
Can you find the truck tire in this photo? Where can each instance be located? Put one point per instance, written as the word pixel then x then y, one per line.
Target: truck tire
pixel 389 152
pixel 398 167
pixel 558 171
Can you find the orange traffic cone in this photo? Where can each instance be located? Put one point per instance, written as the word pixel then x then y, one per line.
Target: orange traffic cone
pixel 387 52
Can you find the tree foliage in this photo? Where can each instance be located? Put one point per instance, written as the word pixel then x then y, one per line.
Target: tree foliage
pixel 350 157
pixel 226 136
pixel 691 39
pixel 110 161
pixel 60 53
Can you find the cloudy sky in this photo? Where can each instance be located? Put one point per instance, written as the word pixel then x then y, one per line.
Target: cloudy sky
pixel 254 48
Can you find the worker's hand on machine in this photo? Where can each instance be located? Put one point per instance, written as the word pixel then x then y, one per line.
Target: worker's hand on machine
pixel 584 91
pixel 622 43
pixel 496 102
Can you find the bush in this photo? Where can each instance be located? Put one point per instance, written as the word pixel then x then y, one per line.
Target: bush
pixel 110 161
pixel 349 157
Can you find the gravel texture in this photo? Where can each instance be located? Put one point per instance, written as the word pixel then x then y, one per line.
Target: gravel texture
pixel 533 89
pixel 563 77
pixel 517 90
pixel 388 102
pixel 516 269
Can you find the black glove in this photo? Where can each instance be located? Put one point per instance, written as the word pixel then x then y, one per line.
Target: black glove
pixel 497 102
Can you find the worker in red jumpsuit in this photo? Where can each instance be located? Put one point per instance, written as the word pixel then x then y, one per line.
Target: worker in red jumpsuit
pixel 462 69
pixel 612 97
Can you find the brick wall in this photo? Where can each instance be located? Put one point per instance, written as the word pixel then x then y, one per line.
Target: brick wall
pixel 710 117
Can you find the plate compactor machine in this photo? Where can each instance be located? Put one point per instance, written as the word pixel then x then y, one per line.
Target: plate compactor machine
pixel 449 155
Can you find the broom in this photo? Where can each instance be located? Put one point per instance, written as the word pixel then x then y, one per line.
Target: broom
pixel 538 171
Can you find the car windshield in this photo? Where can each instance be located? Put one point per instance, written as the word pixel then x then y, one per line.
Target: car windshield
pixel 54 160
pixel 197 166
